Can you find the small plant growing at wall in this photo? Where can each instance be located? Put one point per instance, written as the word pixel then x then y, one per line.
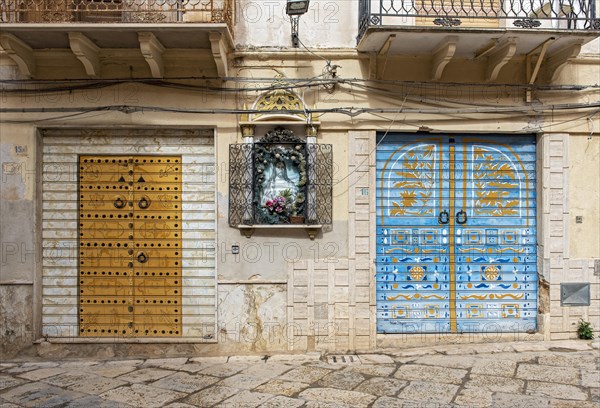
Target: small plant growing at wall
pixel 585 330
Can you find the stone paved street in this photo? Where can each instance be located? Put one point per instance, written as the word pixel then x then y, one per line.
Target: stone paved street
pixel 562 374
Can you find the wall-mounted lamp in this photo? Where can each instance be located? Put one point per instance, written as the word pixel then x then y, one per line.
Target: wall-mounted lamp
pixel 294 9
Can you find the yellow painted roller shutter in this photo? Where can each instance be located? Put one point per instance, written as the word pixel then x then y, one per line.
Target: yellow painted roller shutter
pixel 129 238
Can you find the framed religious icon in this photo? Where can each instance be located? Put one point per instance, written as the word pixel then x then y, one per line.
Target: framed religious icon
pixel 280 179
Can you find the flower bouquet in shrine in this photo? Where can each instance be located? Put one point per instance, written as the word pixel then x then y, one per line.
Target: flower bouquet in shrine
pixel 277 205
pixel 280 206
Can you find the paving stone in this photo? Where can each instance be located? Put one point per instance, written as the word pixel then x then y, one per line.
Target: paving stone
pixel 595 395
pixel 318 404
pixel 461 350
pixel 244 381
pixel 184 382
pixel 19 369
pixel 130 362
pixel 448 361
pixel 267 370
pixel 521 347
pixel 140 395
pixel 474 398
pixel 96 402
pixel 573 404
pixel 430 373
pixel 245 399
pixel 40 395
pixel 529 356
pixel 159 362
pixel 78 364
pixel 501 400
pixel 110 370
pixel 66 379
pixel 145 375
pixel 209 360
pixel 558 391
pixel 210 396
pixel 333 395
pixel 41 373
pixel 504 368
pixel 581 360
pixel 496 384
pixel 188 368
pixel 40 364
pixel 295 358
pixel 6 366
pixel 570 344
pixel 224 370
pixel 305 374
pixel 246 359
pixel 372 369
pixel 494 348
pixel 590 378
pixel 381 386
pixel 428 391
pixel 346 380
pixel 282 402
pixel 6 381
pixel 6 404
pixel 96 385
pixel 416 352
pixel 388 402
pixel 564 375
pixel 326 365
pixel 288 388
pixel 375 359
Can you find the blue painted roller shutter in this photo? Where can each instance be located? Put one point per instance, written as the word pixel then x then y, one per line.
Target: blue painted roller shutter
pixel 456 248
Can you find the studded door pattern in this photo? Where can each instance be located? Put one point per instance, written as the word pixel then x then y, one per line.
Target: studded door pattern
pixel 130 246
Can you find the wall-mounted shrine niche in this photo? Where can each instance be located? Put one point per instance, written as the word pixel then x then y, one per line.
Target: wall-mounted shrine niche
pixel 280 179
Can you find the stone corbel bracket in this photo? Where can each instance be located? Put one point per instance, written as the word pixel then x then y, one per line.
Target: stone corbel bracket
pixel 219 52
pixel 499 57
pixel 558 61
pixel 86 52
pixel 20 53
pixel 152 50
pixel 442 55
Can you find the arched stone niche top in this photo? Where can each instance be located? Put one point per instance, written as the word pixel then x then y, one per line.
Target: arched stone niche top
pixel 282 107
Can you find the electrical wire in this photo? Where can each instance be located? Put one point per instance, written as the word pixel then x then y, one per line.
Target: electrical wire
pixel 348 110
pixel 373 150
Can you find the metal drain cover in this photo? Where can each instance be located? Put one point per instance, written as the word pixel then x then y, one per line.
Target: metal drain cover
pixel 345 359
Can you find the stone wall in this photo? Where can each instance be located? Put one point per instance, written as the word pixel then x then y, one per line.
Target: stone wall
pixel 555 240
pixel 16 321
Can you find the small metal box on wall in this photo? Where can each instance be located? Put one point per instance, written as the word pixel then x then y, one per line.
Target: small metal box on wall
pixel 575 294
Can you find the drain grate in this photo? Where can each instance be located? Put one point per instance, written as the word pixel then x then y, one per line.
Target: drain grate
pixel 345 359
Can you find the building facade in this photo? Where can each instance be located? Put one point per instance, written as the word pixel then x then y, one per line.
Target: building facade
pixel 193 178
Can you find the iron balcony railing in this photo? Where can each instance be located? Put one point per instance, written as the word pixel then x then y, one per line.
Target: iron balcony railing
pixel 549 14
pixel 117 11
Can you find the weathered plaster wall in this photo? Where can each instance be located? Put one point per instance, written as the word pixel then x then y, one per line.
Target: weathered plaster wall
pixel 16 319
pixel 584 196
pixel 19 250
pixel 328 24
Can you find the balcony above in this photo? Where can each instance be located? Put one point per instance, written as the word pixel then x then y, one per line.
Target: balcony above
pixel 150 34
pixel 491 32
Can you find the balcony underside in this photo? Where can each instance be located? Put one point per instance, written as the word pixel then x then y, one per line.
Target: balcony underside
pixel 97 50
pixel 491 49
